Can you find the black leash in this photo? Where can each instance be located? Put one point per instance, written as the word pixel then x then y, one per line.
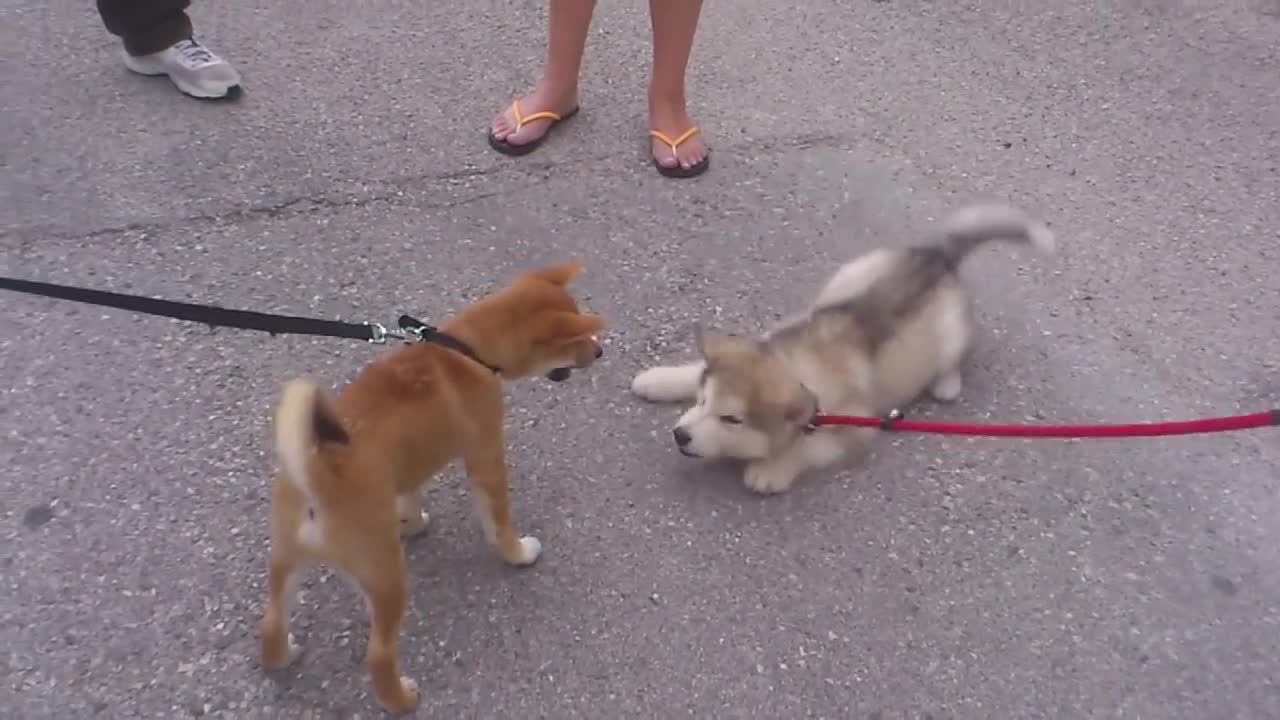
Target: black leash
pixel 410 328
pixel 204 314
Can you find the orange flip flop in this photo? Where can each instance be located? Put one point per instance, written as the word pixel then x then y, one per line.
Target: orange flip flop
pixel 678 170
pixel 507 148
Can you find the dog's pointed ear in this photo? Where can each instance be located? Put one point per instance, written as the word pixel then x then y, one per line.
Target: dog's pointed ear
pixel 802 408
pixel 711 343
pixel 567 326
pixel 707 341
pixel 559 274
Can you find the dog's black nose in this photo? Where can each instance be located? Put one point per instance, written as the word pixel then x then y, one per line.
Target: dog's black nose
pixel 682 436
pixel 599 351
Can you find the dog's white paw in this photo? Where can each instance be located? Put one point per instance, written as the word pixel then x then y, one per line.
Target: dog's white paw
pixel 667 384
pixel 415 524
pixel 649 385
pixel 947 387
pixel 408 700
pixel 530 549
pixel 410 686
pixel 767 478
pixel 295 650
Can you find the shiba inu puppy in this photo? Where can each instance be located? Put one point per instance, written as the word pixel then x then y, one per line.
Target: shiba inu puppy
pixel 351 467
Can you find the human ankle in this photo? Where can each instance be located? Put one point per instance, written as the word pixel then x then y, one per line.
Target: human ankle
pixel 666 101
pixel 556 92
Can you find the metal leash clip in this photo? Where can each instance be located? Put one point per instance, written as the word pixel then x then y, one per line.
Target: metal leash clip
pixel 411 330
pixel 894 415
pixel 414 329
pixel 379 334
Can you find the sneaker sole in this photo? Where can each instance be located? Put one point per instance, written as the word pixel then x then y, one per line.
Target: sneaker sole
pixel 143 68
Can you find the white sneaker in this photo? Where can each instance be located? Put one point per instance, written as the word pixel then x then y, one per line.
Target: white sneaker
pixel 191 66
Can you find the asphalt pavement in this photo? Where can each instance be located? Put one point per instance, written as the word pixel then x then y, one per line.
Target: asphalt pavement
pixel 944 578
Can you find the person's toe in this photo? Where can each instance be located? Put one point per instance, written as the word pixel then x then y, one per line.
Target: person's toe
pixel 525 134
pixel 662 154
pixel 692 154
pixel 501 126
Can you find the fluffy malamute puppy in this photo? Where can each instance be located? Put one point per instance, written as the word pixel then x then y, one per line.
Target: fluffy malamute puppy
pixel 885 327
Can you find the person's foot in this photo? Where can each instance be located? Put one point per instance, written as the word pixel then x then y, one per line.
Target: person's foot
pixel 507 128
pixel 672 120
pixel 192 67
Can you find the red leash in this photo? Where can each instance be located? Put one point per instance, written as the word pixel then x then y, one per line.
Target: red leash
pixel 895 421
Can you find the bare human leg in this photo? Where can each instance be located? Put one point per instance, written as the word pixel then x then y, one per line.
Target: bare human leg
pixel 557 90
pixel 675 23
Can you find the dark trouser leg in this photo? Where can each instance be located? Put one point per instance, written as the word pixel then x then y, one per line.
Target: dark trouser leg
pixel 146 26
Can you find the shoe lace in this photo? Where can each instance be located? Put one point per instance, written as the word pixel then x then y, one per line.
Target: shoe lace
pixel 193 52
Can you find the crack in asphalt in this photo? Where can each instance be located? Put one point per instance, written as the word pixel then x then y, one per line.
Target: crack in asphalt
pixel 25 237
pixel 395 189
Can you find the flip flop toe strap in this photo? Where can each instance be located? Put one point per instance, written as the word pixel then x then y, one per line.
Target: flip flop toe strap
pixel 521 119
pixel 676 142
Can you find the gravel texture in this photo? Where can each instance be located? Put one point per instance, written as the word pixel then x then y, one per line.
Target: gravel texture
pixel 944 578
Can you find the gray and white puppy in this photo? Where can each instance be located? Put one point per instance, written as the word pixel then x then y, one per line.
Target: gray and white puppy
pixel 886 327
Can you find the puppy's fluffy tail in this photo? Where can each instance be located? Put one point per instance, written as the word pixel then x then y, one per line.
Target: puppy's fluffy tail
pixel 972 226
pixel 305 426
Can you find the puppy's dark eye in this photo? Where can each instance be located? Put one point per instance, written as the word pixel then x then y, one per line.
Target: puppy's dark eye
pixel 730 420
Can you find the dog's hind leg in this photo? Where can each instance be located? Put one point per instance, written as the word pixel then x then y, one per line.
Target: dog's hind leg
pixel 383 583
pixel 278 648
pixel 669 383
pixel 947 387
pixel 956 333
pixel 487 470
pixel 413 519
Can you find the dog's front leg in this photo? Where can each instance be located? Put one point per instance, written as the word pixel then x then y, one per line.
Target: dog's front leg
pixel 809 452
pixel 669 383
pixel 487 470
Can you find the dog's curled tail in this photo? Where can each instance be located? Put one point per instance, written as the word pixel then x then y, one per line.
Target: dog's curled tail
pixel 972 226
pixel 304 424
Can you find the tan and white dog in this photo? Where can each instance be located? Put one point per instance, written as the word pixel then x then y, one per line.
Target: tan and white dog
pixel 351 467
pixel 885 328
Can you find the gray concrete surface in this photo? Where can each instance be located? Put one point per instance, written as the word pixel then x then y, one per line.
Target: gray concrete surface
pixel 945 578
